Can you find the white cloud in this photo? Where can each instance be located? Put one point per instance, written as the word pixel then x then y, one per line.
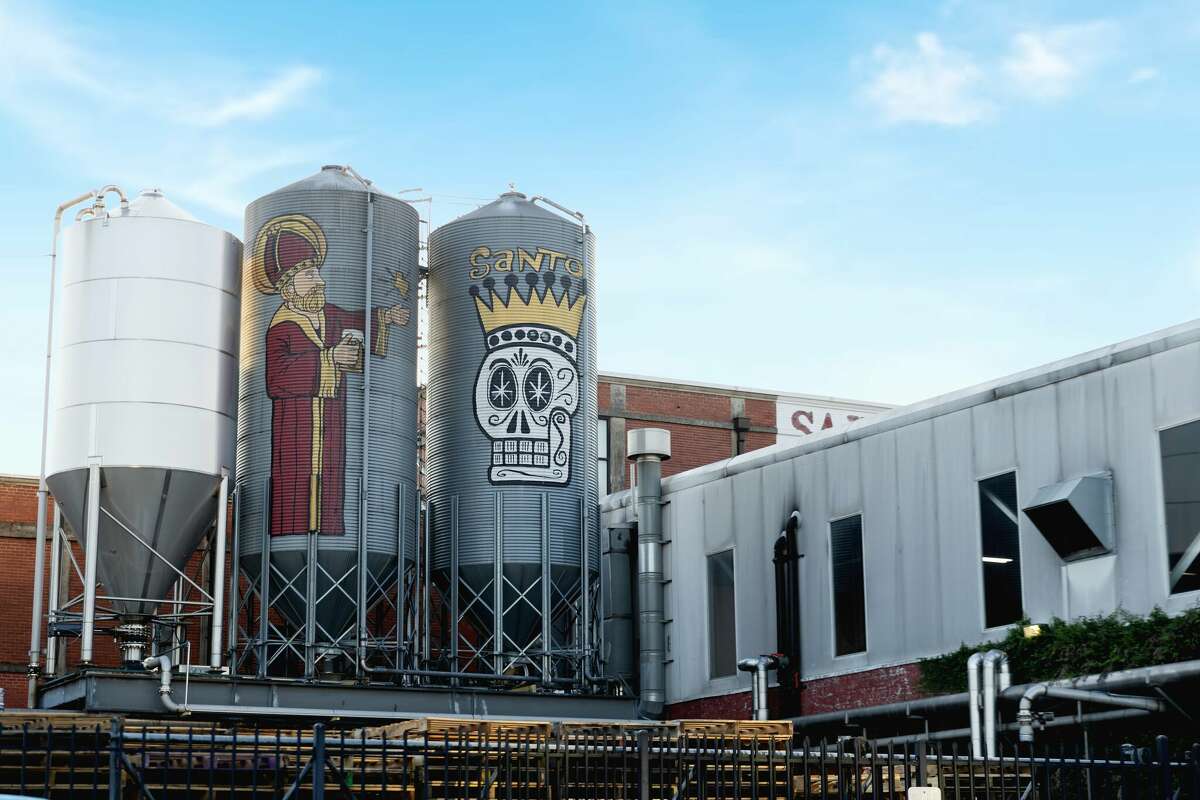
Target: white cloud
pixel 1049 64
pixel 263 102
pixel 1143 74
pixel 929 84
pixel 190 135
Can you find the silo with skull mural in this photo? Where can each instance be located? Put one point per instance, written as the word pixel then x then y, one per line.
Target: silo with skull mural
pixel 511 433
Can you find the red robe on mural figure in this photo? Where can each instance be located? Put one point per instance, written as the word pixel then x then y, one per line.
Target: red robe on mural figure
pixel 308 416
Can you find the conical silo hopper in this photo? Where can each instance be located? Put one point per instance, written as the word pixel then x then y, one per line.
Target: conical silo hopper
pixel 511 438
pixel 327 418
pixel 143 378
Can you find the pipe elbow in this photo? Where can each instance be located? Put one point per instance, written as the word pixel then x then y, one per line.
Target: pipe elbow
pixel 163 665
pixel 1025 710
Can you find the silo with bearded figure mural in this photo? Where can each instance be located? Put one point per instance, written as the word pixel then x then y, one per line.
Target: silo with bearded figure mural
pixel 511 441
pixel 327 429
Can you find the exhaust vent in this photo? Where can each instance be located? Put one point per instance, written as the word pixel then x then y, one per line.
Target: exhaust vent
pixel 1076 516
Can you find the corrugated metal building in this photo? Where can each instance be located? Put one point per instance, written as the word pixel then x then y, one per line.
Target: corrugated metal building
pixel 914 529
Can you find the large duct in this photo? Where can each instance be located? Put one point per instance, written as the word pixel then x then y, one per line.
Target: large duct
pixel 327 416
pixel 648 448
pixel 511 441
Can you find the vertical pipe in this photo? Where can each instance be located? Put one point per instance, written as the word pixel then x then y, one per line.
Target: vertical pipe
pixel 264 585
pixel 91 543
pixel 39 567
pixel 218 609
pixel 234 586
pixel 989 703
pixel 364 491
pixel 547 629
pixel 648 447
pixel 55 578
pixel 428 587
pixel 973 665
pixel 498 585
pixel 454 665
pixel 760 675
pixel 177 628
pixel 585 587
pixel 401 574
pixel 39 558
pixel 310 606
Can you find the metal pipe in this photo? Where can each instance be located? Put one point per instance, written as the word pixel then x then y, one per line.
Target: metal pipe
pixel 90 557
pixel 235 601
pixel 759 666
pixel 364 490
pixel 39 557
pixel 1057 722
pixel 585 587
pixel 648 447
pixel 539 199
pixel 991 659
pixel 218 610
pixel 974 663
pixel 1025 714
pixel 53 591
pixel 1139 676
pixel 163 664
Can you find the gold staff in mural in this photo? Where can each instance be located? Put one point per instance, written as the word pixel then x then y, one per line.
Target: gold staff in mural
pixel 311 345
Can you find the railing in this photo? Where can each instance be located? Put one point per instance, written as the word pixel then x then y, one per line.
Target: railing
pixel 114 759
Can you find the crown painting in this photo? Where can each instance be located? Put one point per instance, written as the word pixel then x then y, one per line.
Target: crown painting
pixel 527 389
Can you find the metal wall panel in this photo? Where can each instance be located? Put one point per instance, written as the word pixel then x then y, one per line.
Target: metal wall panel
pixel 916 485
pixel 1137 490
pixel 1035 417
pixel 887 584
pixel 957 519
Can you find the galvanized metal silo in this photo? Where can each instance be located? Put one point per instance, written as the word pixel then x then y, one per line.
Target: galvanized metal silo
pixel 327 425
pixel 142 380
pixel 511 441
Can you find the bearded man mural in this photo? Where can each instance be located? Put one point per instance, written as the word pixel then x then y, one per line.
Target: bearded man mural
pixel 312 346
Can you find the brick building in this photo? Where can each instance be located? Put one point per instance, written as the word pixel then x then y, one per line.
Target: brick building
pixel 707 422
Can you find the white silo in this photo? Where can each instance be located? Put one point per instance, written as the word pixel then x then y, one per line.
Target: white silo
pixel 142 380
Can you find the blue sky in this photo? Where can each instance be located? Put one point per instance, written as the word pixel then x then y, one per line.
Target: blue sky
pixel 882 202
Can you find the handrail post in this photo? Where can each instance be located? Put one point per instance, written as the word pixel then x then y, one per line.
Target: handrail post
pixel 115 776
pixel 318 762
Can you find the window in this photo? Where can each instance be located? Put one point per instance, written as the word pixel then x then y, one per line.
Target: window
pixel 1181 493
pixel 1001 550
pixel 722 638
pixel 602 455
pixel 849 603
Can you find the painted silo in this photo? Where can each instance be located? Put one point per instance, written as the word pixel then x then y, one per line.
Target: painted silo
pixel 327 408
pixel 143 382
pixel 511 437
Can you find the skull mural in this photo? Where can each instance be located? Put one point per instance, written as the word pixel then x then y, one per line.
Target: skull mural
pixel 527 388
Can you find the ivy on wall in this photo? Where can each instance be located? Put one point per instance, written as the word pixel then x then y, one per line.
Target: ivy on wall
pixel 1081 647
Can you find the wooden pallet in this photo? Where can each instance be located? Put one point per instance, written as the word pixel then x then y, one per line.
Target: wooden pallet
pixel 467 729
pixel 614 729
pixel 775 730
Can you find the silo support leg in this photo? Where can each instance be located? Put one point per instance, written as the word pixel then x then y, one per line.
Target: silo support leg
pixel 91 542
pixel 218 583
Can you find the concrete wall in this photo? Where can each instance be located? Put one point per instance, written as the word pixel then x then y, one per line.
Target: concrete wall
pixel 912 474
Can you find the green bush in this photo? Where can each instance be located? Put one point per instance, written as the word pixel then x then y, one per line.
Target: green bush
pixel 1081 647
